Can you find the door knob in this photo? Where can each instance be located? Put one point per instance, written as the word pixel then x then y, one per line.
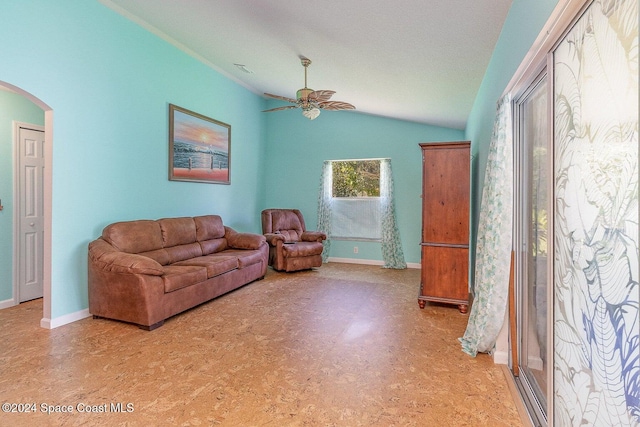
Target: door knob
pixel 31 224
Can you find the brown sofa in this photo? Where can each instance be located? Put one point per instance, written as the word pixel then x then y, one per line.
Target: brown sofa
pixel 291 246
pixel 146 271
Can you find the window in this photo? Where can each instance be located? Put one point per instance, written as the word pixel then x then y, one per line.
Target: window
pixel 355 205
pixel 360 217
pixel 356 178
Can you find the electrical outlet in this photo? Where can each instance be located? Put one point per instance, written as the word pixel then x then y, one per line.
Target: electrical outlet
pixel 355 249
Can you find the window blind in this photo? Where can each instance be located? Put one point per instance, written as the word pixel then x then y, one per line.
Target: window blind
pixel 356 218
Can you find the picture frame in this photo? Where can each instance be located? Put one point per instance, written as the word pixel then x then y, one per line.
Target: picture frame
pixel 199 147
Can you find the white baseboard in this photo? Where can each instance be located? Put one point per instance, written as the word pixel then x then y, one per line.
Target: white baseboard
pixel 367 261
pixel 7 303
pixel 501 358
pixel 356 261
pixel 64 320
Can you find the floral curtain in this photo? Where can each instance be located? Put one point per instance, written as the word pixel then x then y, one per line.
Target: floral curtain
pixel 494 244
pixel 392 253
pixel 391 246
pixel 324 207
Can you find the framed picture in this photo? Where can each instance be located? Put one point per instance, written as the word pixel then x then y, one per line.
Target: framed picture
pixel 199 147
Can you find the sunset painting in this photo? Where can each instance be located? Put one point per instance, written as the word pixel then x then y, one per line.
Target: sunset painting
pixel 199 147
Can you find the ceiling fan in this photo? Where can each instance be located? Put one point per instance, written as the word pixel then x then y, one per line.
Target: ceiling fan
pixel 311 101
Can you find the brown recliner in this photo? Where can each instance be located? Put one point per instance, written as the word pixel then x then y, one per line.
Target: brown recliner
pixel 291 246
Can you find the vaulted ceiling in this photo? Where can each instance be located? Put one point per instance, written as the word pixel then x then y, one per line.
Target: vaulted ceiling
pixel 416 60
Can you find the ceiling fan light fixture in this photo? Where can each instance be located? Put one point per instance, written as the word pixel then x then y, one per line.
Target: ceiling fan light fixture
pixel 309 100
pixel 311 113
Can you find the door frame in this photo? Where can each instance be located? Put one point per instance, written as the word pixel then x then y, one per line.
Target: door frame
pixel 17 198
pixel 538 411
pixel 46 321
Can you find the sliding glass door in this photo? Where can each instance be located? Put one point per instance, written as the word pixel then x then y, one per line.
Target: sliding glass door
pixel 533 177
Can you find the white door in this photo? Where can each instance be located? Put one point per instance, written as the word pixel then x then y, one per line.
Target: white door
pixel 31 214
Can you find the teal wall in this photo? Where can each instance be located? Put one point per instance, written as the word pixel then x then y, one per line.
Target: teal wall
pixel 13 107
pixel 297 147
pixel 521 28
pixel 109 83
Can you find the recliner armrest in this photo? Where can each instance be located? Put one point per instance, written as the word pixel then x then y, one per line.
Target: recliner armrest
pixel 273 238
pixel 313 236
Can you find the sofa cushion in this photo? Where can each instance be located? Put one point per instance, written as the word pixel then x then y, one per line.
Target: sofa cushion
pixel 214 264
pixel 134 236
pixel 182 252
pixel 159 255
pixel 245 257
pixel 212 246
pixel 177 231
pixel 178 277
pixel 208 227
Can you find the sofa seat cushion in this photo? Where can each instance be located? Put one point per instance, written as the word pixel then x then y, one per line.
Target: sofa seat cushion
pixel 215 265
pixel 245 257
pixel 180 276
pixel 299 249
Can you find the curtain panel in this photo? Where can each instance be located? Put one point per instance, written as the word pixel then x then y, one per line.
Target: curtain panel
pixel 324 208
pixel 494 241
pixel 392 253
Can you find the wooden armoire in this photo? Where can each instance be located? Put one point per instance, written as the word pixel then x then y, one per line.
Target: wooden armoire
pixel 445 223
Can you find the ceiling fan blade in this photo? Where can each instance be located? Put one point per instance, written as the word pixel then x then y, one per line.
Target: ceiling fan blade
pixel 335 105
pixel 282 98
pixel 287 107
pixel 320 95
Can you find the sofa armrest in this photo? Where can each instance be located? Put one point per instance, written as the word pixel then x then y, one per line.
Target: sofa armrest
pixel 274 238
pixel 313 236
pixel 105 257
pixel 243 240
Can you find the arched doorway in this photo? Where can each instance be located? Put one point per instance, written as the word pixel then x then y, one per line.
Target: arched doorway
pixel 47 198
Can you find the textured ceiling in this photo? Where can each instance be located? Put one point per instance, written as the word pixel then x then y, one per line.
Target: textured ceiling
pixel 417 60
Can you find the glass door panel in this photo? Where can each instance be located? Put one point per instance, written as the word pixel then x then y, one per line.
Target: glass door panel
pixel 533 179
